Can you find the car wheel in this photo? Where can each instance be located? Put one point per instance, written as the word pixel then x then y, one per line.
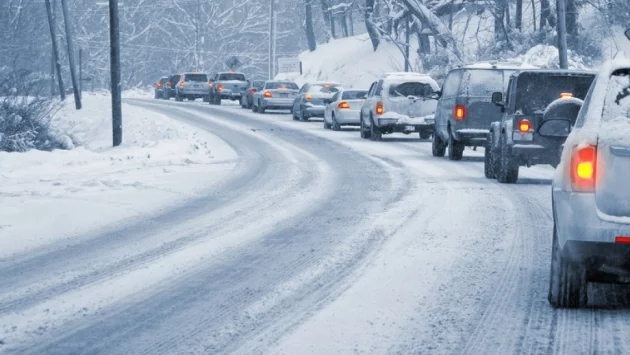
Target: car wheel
pixel 375 132
pixel 567 280
pixel 455 148
pixel 425 134
pixel 243 105
pixel 156 96
pixel 365 134
pixel 205 98
pixel 438 148
pixel 507 172
pixel 254 108
pixel 178 97
pixel 218 100
pixel 335 124
pixel 294 115
pixel 326 125
pixel 488 158
pixel 261 108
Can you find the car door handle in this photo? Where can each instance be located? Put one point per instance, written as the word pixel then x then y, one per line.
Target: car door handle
pixel 620 151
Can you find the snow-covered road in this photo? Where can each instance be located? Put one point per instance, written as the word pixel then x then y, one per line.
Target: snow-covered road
pixel 317 242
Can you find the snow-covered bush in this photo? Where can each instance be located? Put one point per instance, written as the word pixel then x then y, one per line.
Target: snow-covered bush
pixel 24 115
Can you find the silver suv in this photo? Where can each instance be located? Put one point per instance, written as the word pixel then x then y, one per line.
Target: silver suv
pixel 400 102
pixel 191 86
pixel 229 86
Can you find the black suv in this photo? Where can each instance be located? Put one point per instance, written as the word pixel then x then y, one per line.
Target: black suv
pixel 465 111
pixel 169 87
pixel 540 108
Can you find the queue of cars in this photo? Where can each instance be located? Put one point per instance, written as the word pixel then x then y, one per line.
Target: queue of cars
pixel 576 121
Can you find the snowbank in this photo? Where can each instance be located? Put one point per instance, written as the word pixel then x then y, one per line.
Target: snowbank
pixel 547 57
pixel 48 195
pixel 350 61
pixel 138 93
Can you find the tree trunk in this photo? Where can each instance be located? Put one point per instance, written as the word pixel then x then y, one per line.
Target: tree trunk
pixel 572 26
pixel 328 18
pixel 308 27
pixel 344 24
pixel 369 24
pixel 351 20
pixel 545 13
pixel 518 16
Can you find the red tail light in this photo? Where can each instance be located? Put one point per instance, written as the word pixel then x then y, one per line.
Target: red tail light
pixel 343 104
pixel 209 84
pixel 251 91
pixel 583 165
pixel 159 85
pixel 459 112
pixel 524 125
pixel 379 108
pixel 182 84
pixel 267 94
pixel 624 240
pixel 219 87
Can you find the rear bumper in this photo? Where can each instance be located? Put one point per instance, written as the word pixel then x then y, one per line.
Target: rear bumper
pixel 400 126
pixel 195 92
pixel 280 104
pixel 231 95
pixel 314 110
pixel 583 235
pixel 471 136
pixel 529 153
pixel 348 117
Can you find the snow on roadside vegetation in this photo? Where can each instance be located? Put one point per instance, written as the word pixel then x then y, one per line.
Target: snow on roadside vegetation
pixel 47 195
pixel 353 63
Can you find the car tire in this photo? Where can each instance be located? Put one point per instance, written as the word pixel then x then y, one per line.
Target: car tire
pixel 261 108
pixel 156 96
pixel 326 124
pixel 335 125
pixel 425 134
pixel 217 100
pixel 438 148
pixel 567 279
pixel 507 172
pixel 254 108
pixel 294 115
pixel 365 134
pixel 178 97
pixel 455 148
pixel 375 133
pixel 243 105
pixel 489 158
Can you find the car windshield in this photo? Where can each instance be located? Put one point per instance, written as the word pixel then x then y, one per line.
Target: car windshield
pixel 483 82
pixel 258 84
pixel 282 85
pixel 354 95
pixel 196 77
pixel 324 88
pixel 409 88
pixel 535 91
pixel 232 76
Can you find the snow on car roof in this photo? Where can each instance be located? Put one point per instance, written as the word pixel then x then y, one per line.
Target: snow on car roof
pixel 510 65
pixel 403 76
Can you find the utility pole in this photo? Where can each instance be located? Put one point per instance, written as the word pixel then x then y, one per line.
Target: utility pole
pixel 562 34
pixel 407 18
pixel 53 35
pixel 81 72
pixel 272 39
pixel 68 22
pixel 114 39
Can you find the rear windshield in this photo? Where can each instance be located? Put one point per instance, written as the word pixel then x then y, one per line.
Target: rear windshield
pixel 174 78
pixel 282 85
pixel 354 95
pixel 411 88
pixel 258 84
pixel 617 104
pixel 196 77
pixel 163 80
pixel 232 76
pixel 324 88
pixel 483 82
pixel 535 91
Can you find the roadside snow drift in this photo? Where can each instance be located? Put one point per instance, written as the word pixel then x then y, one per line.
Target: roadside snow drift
pixel 48 195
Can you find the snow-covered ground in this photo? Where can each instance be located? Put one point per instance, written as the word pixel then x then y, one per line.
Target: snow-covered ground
pixel 160 163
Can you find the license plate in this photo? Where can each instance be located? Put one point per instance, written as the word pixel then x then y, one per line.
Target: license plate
pixel 429 121
pixel 284 95
pixel 410 128
pixel 518 136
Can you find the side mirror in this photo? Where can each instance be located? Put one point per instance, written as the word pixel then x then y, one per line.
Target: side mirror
pixel 497 99
pixel 628 33
pixel 555 128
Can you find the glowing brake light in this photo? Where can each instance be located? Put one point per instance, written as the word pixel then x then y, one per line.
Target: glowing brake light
pixel 622 239
pixel 459 112
pixel 219 87
pixel 343 104
pixel 524 125
pixel 251 91
pixel 182 84
pixel 268 94
pixel 379 108
pixel 308 96
pixel 159 84
pixel 209 84
pixel 583 165
pixel 566 95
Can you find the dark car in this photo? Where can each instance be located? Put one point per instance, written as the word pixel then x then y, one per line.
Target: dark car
pixel 540 108
pixel 465 110
pixel 312 99
pixel 192 86
pixel 169 88
pixel 159 87
pixel 248 98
